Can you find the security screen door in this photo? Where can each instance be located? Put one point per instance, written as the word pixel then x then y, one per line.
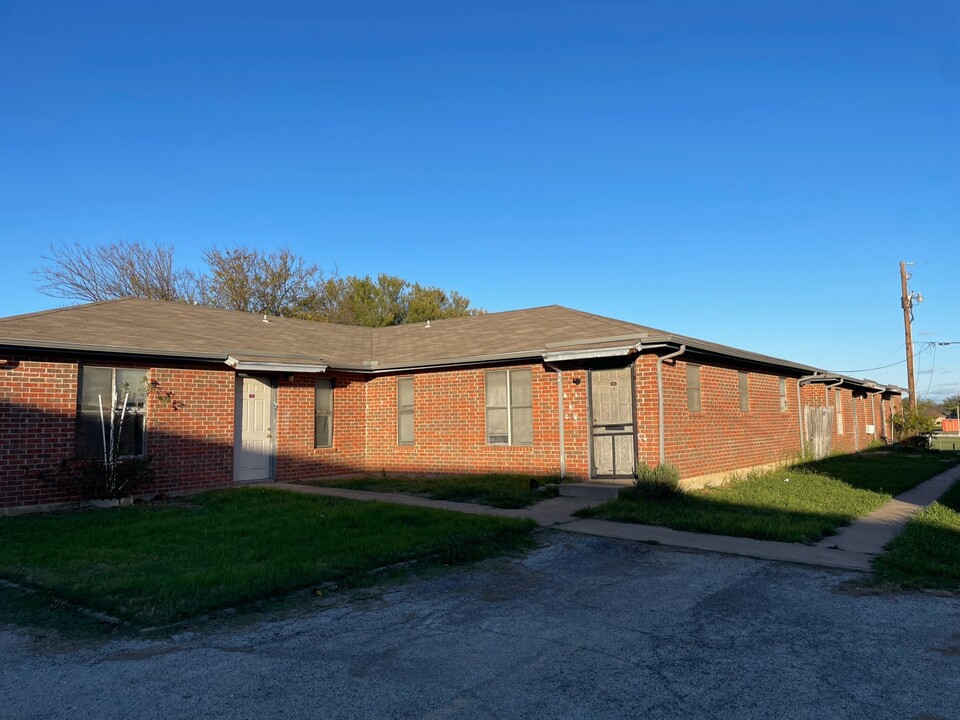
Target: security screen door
pixel 612 426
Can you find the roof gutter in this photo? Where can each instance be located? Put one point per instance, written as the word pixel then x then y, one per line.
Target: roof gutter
pixel 15 344
pixel 245 366
pixel 561 356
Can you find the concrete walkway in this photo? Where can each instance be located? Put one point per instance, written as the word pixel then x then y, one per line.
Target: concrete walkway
pixel 852 548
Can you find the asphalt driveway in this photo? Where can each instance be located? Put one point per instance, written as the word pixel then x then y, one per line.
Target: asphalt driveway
pixel 581 628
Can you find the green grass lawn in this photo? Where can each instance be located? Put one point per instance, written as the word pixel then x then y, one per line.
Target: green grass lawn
pixel 154 564
pixel 927 553
pixel 497 490
pixel 802 503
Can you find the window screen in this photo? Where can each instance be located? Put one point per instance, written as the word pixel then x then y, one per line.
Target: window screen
pixel 744 381
pixel 693 388
pixel 405 411
pixel 783 395
pixel 323 414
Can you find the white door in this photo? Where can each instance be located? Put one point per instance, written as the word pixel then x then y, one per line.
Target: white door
pixel 253 452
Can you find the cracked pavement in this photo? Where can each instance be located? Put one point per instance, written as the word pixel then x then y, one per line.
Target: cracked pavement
pixel 581 627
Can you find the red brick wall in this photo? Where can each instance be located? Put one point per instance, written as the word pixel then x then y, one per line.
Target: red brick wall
pixel 38 403
pixel 193 446
pixel 718 438
pixel 450 425
pixel 860 409
pixel 297 458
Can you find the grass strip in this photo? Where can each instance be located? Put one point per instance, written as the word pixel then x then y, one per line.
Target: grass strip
pixel 156 564
pixel 927 553
pixel 497 490
pixel 802 503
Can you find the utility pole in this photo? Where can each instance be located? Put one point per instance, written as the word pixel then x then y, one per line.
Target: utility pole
pixel 907 300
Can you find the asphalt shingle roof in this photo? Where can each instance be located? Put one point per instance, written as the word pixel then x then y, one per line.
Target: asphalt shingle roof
pixel 152 327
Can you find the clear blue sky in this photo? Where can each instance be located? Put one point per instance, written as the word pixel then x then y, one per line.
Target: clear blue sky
pixel 746 172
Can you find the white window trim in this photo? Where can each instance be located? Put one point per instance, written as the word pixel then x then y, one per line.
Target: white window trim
pixel 333 406
pixel 509 407
pixel 407 410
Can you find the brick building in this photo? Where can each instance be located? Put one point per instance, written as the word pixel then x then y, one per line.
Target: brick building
pixel 546 391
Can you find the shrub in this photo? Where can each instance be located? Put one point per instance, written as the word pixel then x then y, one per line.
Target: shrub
pixel 97 480
pixel 912 428
pixel 659 481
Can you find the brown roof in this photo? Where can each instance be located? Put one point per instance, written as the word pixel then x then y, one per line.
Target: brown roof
pixel 156 328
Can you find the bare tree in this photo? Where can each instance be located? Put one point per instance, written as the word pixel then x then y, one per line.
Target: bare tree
pixel 119 269
pixel 276 283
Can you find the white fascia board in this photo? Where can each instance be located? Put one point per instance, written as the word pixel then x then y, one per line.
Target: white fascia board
pixel 589 354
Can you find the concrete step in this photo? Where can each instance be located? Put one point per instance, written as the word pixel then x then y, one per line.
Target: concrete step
pixel 593 491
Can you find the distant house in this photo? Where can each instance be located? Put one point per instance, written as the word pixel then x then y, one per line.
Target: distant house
pixel 549 391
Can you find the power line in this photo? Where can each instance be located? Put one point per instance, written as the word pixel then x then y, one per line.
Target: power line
pixel 884 367
pixel 933 365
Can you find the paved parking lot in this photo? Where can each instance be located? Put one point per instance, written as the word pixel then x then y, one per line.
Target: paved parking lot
pixel 581 628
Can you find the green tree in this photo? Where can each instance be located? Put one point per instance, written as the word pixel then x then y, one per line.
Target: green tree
pixel 388 300
pixel 928 408
pixel 913 427
pixel 950 404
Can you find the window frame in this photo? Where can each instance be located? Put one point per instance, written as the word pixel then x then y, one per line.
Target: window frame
pixel 406 411
pixel 328 413
pixel 139 410
pixel 509 407
pixel 743 388
pixel 694 403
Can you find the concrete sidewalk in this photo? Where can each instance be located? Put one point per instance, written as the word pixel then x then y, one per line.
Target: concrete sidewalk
pixel 852 548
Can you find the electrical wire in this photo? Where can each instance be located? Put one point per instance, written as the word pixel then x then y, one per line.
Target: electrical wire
pixel 884 367
pixel 933 365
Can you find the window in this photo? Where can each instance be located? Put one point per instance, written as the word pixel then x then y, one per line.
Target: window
pixel 509 408
pixel 323 414
pixel 744 381
pixel 106 392
pixel 839 403
pixel 783 394
pixel 693 388
pixel 405 411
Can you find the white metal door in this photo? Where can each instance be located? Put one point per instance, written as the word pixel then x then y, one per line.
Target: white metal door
pixel 253 455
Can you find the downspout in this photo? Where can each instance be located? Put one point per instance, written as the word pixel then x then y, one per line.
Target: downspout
pixel 563 449
pixel 669 356
pixel 856 423
pixel 803 451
